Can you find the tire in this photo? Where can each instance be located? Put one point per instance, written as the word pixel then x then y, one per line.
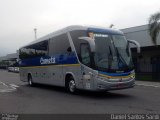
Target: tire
pixel 30 81
pixel 71 86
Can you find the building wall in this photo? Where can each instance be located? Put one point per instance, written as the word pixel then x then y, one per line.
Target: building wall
pixel 146 61
pixel 140 34
pixel 8 60
pixel 149 59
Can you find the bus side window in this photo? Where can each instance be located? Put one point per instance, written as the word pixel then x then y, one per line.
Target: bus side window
pixel 59 45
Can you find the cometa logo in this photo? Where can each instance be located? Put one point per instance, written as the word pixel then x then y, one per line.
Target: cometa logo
pixel 44 61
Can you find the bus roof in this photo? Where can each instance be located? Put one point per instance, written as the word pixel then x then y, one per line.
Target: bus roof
pixel 76 27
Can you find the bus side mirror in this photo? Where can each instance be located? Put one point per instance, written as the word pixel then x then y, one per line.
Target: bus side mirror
pixel 90 41
pixel 137 45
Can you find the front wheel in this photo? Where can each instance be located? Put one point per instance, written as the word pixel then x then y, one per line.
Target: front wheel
pixel 71 86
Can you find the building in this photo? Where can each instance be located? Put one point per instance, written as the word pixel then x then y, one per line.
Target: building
pixel 148 61
pixel 9 60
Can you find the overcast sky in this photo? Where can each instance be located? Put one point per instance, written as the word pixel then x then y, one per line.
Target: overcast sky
pixel 18 18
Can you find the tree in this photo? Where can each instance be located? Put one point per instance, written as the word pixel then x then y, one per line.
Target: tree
pixel 154 26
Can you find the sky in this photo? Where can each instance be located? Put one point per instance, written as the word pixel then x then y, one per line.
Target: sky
pixel 18 18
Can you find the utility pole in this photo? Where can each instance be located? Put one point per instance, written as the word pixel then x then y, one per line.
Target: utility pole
pixel 35 32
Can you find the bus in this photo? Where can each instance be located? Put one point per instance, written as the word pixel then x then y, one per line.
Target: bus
pixel 80 57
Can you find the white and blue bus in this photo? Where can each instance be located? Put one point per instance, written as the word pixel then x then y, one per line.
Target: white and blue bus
pixel 79 57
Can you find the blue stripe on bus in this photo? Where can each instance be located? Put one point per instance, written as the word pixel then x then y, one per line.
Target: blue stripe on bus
pixel 49 60
pixel 115 74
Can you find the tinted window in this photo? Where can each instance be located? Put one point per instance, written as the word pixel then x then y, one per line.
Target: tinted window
pixel 59 45
pixel 75 35
pixel 85 54
pixel 35 50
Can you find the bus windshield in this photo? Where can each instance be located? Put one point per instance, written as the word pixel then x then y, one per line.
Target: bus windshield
pixel 112 53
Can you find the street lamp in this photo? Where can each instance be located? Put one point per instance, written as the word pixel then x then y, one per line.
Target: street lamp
pixel 35 31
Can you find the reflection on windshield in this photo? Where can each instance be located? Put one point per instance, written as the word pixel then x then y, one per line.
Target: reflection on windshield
pixel 121 46
pixel 112 53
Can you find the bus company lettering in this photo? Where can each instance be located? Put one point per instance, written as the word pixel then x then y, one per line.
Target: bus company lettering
pixel 44 61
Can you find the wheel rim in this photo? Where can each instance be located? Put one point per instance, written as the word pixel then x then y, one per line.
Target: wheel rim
pixel 30 81
pixel 72 86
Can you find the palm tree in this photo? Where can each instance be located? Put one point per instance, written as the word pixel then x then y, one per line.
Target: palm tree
pixel 154 26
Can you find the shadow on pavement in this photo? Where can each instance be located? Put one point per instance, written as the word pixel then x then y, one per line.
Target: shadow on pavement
pixel 83 93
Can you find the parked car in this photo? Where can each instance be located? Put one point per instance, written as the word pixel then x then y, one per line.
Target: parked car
pixel 13 69
pixel 16 69
pixel 10 69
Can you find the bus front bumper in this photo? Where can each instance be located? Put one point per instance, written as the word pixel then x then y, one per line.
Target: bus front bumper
pixel 104 85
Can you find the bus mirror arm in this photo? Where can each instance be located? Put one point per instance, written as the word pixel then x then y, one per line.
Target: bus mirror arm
pixel 90 41
pixel 137 45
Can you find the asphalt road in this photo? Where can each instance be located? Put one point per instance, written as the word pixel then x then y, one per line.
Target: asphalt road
pixel 17 97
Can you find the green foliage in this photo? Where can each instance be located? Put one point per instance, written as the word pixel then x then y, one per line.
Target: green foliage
pixel 154 26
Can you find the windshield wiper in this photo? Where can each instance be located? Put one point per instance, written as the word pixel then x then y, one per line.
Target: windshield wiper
pixel 127 49
pixel 110 58
pixel 120 57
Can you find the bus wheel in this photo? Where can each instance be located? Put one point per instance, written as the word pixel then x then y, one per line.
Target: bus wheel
pixel 72 86
pixel 30 81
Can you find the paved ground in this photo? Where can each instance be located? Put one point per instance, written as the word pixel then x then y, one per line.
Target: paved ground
pixel 18 97
pixel 148 84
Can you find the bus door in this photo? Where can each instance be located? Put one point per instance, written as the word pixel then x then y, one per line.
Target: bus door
pixel 85 55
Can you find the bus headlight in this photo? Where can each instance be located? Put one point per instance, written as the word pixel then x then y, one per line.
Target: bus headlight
pixel 132 76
